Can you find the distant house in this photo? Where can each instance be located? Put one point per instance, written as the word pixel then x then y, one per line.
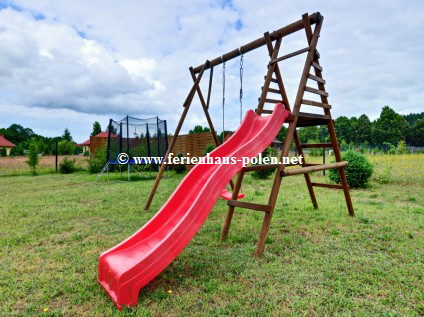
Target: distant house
pixel 4 143
pixel 85 146
pixel 95 142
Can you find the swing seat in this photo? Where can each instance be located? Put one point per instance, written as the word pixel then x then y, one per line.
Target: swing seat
pixel 225 194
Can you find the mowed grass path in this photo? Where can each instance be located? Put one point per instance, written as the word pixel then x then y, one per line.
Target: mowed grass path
pixel 317 262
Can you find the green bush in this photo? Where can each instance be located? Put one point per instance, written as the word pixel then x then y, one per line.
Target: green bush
pixel 209 148
pixel 358 172
pixel 67 165
pixel 3 151
pixel 263 174
pixel 97 160
pixel 33 157
pixel 385 176
pixel 180 168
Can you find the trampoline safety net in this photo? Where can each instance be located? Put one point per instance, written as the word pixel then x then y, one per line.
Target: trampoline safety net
pixel 136 137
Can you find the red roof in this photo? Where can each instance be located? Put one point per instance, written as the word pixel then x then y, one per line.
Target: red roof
pixel 105 135
pixel 86 143
pixel 5 143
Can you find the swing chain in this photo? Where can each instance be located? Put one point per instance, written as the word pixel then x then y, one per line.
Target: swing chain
pixel 241 87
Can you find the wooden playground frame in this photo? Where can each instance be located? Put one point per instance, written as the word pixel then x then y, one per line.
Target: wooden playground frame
pixel 297 119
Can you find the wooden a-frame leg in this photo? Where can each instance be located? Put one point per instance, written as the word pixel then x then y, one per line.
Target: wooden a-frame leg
pixel 186 106
pixel 287 106
pixel 306 175
pixel 230 212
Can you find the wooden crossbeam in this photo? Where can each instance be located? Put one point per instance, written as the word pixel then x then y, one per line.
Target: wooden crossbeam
pixel 316 78
pixel 290 55
pixel 315 104
pixel 243 204
pixel 316 145
pixel 310 169
pixel 332 186
pixel 316 91
pixel 272 100
pixel 317 66
pixel 275 91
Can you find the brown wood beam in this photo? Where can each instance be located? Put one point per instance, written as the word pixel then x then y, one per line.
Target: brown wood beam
pixel 310 169
pixel 243 204
pixel 332 186
pixel 290 55
pixel 278 34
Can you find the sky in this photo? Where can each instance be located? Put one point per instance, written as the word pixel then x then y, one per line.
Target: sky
pixel 65 64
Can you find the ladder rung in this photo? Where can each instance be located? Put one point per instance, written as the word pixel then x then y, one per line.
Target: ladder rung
pixel 315 104
pixel 314 64
pixel 333 186
pixel 316 78
pixel 273 80
pixel 309 119
pixel 243 204
pixel 316 91
pixel 279 59
pixel 273 101
pixel 275 91
pixel 260 167
pixel 265 111
pixel 316 145
pixel 309 169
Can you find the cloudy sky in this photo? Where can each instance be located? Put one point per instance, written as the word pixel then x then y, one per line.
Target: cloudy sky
pixel 68 63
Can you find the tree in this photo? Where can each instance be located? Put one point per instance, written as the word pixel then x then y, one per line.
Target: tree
pixel 66 147
pixel 413 117
pixel 33 157
pixel 309 133
pixel 67 135
pixel 96 128
pixel 199 129
pixel 111 128
pixel 17 133
pixel 344 129
pixel 281 136
pixel 415 134
pixel 363 130
pixel 389 127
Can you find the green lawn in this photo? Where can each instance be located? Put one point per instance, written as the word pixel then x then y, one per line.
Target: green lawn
pixel 316 262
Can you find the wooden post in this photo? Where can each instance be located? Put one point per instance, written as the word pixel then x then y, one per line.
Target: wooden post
pixel 299 150
pixel 186 106
pixel 331 129
pixel 287 142
pixel 230 212
pixel 57 155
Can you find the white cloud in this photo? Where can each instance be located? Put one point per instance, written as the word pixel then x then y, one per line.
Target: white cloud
pixel 108 58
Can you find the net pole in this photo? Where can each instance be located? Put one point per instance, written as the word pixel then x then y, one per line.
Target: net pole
pixel 128 140
pixel 120 137
pixel 158 136
pixel 148 140
pixel 108 141
pixel 166 135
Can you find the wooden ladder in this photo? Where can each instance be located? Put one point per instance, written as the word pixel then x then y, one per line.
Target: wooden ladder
pixel 297 119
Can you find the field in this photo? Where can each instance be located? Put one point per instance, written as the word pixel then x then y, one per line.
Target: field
pixel 316 262
pixel 18 166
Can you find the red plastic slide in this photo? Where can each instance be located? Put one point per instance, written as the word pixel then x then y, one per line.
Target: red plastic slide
pixel 130 265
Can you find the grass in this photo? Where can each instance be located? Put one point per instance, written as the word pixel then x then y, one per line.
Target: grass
pixel 316 262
